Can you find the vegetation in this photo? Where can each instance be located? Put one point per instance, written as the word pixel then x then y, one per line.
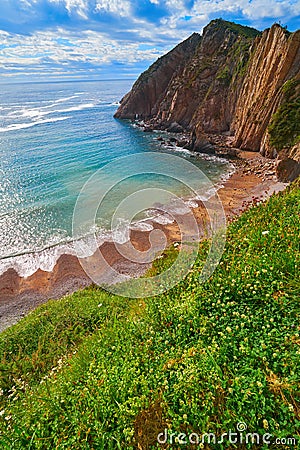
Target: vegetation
pixel 95 371
pixel 224 75
pixel 284 128
pixel 242 30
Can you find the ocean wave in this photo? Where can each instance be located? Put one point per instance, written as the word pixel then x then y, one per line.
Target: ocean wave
pixel 141 226
pixel 163 219
pixel 27 263
pixel 65 99
pixel 76 108
pixel 20 126
pixel 46 111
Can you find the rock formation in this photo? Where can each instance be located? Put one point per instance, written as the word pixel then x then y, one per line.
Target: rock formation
pixel 232 80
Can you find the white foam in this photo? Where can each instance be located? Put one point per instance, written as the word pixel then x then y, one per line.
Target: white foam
pixel 163 219
pixel 41 111
pixel 76 108
pixel 141 226
pixel 176 148
pixel 45 259
pixel 212 157
pixel 191 203
pixel 20 126
pixel 27 264
pixel 120 233
pixel 65 99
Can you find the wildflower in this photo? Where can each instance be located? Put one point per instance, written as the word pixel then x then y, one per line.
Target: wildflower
pixel 265 232
pixel 2 412
pixel 184 417
pixel 291 408
pixel 229 330
pixel 265 424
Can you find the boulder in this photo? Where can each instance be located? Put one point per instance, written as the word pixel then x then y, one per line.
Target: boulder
pixel 287 169
pixel 175 128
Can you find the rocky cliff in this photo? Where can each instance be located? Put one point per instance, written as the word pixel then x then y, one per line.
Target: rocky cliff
pixel 232 80
pixel 149 91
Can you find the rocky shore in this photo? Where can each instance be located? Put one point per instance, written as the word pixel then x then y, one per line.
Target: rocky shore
pixel 233 92
pixel 233 81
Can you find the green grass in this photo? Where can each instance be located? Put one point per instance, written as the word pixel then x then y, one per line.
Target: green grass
pixel 96 371
pixel 241 30
pixel 224 75
pixel 284 128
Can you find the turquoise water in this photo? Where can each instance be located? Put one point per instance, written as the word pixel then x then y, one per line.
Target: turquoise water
pixel 53 137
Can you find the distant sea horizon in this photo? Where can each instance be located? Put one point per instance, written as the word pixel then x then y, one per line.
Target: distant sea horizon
pixel 75 80
pixel 53 137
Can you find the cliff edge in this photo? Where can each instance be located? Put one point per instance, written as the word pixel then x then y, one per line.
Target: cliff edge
pixel 232 80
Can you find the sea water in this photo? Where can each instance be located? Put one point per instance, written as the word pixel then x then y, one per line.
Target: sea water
pixel 53 138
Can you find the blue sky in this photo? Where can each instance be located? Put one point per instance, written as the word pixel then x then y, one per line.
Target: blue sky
pixel 101 39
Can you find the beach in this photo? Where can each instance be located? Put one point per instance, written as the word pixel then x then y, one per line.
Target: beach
pixel 252 181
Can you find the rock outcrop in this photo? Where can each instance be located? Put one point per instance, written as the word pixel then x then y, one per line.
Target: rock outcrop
pixel 144 100
pixel 232 80
pixel 274 60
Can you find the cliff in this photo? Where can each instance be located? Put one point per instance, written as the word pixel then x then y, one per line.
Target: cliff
pixel 232 80
pixel 143 101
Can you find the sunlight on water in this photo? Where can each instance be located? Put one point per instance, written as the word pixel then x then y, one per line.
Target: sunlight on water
pixel 53 137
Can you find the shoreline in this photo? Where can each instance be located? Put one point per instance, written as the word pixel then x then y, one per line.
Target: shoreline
pixel 253 180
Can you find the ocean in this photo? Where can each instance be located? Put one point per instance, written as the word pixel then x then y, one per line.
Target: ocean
pixel 53 138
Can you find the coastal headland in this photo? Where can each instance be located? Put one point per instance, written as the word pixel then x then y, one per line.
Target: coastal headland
pixel 233 91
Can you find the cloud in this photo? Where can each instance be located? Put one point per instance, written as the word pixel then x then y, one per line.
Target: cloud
pixel 118 7
pixel 94 36
pixel 46 53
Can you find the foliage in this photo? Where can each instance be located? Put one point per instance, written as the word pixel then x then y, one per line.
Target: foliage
pixel 94 371
pixel 284 128
pixel 242 30
pixel 224 75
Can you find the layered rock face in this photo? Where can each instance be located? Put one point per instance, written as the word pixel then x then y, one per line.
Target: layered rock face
pixel 274 60
pixel 232 79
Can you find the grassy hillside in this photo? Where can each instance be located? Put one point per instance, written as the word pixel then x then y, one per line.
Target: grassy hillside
pixel 94 371
pixel 284 129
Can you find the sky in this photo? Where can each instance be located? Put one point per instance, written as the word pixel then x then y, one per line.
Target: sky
pixel 49 40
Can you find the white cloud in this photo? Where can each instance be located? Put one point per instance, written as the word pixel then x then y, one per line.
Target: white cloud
pixel 86 41
pixel 91 49
pixel 119 7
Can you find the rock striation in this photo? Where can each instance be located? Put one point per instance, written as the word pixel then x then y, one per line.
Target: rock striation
pixel 233 80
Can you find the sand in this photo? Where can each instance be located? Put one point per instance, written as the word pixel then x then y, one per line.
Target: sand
pixel 254 180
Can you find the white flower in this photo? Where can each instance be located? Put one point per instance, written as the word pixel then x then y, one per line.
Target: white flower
pixel 2 412
pixel 265 232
